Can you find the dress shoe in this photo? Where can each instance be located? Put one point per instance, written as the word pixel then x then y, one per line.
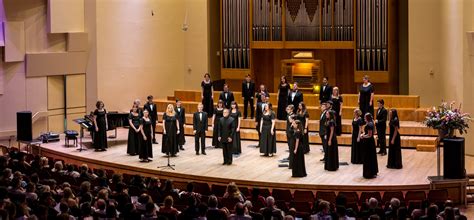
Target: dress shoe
pixel 149 160
pixel 197 153
pixel 322 159
pixel 224 163
pixel 181 147
pixel 155 142
pixel 204 153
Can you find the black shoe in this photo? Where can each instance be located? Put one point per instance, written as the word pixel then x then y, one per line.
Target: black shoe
pixel 204 153
pixel 229 163
pixel 322 159
pixel 149 160
pixel 155 142
pixel 173 155
pixel 181 147
pixel 224 163
pixel 197 153
pixel 384 153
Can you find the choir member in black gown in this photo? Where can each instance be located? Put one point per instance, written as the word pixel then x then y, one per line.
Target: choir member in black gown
pixel 207 94
pixel 283 91
pixel 366 96
pixel 357 126
pixel 137 103
pixel 381 127
pixel 134 131
pixel 295 96
pixel 248 93
pixel 267 141
pixel 225 133
pixel 322 128
pixel 290 117
pixel 259 112
pixel 394 148
pixel 332 160
pixel 218 113
pixel 100 122
pixel 151 107
pixel 145 148
pixel 337 102
pixel 181 116
pixel 170 132
pixel 370 168
pixel 199 129
pixel 227 96
pixel 262 91
pixel 298 166
pixel 325 91
pixel 237 116
pixel 303 116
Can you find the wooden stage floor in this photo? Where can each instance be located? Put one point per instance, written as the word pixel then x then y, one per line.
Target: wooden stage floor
pixel 252 169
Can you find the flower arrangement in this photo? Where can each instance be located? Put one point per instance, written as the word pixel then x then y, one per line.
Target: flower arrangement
pixel 447 118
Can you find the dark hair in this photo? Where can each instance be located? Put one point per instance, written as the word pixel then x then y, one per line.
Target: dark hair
pixel 303 108
pixel 190 187
pixel 236 105
pixel 150 207
pixel 225 84
pixel 220 102
pixel 149 97
pixel 381 101
pixel 207 74
pixel 325 77
pixel 248 75
pixel 394 114
pixel 284 77
pixel 368 116
pixel 212 202
pixel 177 100
pixel 98 103
pixel 239 208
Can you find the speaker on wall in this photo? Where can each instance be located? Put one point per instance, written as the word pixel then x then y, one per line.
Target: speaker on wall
pixel 24 130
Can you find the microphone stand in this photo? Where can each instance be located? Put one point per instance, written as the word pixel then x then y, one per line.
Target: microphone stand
pixel 169 165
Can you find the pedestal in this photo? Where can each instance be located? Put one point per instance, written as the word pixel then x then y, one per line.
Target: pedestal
pixel 453 158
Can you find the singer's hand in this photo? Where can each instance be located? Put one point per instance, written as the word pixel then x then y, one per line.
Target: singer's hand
pixel 177 132
pixel 229 139
pixel 144 137
pixel 96 129
pixel 392 142
pixel 164 132
pixel 329 143
pixel 194 132
pixel 271 132
pixel 219 138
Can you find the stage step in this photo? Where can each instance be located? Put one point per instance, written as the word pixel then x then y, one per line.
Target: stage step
pixel 406 127
pixel 405 114
pixel 344 139
pixel 397 101
pixel 426 147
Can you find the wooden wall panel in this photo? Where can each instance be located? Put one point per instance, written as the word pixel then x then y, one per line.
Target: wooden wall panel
pixel 14 33
pixel 76 91
pixel 77 42
pixel 49 64
pixel 55 92
pixel 56 123
pixel 65 16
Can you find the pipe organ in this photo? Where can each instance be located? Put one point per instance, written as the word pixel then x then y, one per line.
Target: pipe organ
pixel 264 32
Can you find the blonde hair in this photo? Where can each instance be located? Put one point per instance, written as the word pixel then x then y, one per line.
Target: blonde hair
pixel 358 112
pixel 337 89
pixel 170 110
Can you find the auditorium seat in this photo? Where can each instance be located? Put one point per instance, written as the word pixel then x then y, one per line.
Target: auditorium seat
pixel 282 194
pixel 329 196
pixel 282 205
pixel 351 197
pixel 265 192
pixel 245 191
pixel 388 195
pixel 438 197
pixel 365 196
pixel 202 188
pixel 415 195
pixel 229 203
pixel 218 190
pixel 303 195
pixel 301 206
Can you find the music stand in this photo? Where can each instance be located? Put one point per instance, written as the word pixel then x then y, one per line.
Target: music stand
pixel 83 123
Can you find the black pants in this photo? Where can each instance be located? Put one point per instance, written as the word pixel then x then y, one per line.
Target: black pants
pixel 246 104
pixel 200 135
pixel 153 126
pixel 381 140
pixel 227 152
pixel 325 146
pixel 258 131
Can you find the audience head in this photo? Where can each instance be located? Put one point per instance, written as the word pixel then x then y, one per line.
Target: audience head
pixel 341 211
pixel 270 201
pixel 150 207
pixel 169 202
pixel 373 203
pixel 394 203
pixel 239 209
pixel 324 207
pixel 212 202
pixel 58 166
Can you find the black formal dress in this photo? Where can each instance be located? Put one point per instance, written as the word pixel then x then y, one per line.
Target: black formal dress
pixel 298 167
pixel 100 137
pixel 248 93
pixel 145 148
pixel 356 151
pixel 323 132
pixel 332 161
pixel 381 127
pixel 364 99
pixel 325 93
pixel 258 116
pixel 304 118
pixel 219 113
pixel 170 139
pixel 370 168
pixel 226 131
pixel 294 98
pixel 227 98
pixel 207 101
pixel 153 116
pixel 283 91
pixel 267 140
pixel 290 138
pixel 200 125
pixel 133 143
pixel 394 150
pixel 237 148
pixel 336 106
pixel 181 117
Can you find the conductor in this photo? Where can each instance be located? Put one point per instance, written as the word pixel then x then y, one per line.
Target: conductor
pixel 225 133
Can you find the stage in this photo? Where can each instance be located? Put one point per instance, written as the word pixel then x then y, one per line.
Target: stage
pixel 252 169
